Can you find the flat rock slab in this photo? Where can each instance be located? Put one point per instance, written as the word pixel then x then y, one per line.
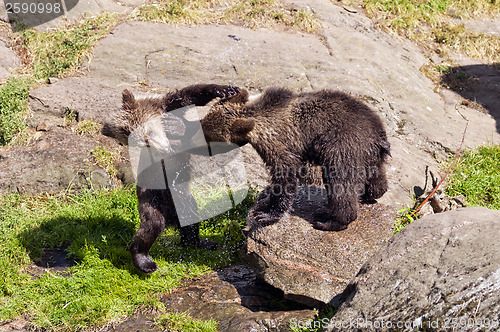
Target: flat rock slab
pixel 86 97
pixel 441 272
pixel 312 266
pixel 238 300
pixel 53 161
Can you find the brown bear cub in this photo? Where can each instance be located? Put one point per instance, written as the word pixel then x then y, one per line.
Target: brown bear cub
pixel 156 206
pixel 326 128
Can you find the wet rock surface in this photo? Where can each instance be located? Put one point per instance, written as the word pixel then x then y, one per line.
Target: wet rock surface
pixel 440 272
pixel 309 265
pixel 233 296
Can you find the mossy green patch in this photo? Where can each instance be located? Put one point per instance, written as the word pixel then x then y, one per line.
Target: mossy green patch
pixel 102 286
pixel 57 52
pixel 476 175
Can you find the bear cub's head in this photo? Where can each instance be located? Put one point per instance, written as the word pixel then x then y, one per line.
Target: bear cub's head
pixel 138 118
pixel 226 122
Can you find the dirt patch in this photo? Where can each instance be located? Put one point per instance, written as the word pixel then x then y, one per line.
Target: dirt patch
pixel 53 261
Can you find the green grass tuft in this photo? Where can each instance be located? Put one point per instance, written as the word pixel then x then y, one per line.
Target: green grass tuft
pixel 476 175
pixel 13 108
pixel 88 127
pixel 106 159
pixel 406 216
pixel 176 322
pixel 103 286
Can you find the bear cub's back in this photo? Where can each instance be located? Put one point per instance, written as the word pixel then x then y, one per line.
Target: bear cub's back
pixel 315 112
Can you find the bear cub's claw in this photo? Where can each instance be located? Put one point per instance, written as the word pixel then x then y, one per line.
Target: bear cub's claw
pixel 227 92
pixel 231 91
pixel 144 263
pixel 267 218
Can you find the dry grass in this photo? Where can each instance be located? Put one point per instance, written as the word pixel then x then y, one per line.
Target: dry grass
pixel 433 24
pixel 251 14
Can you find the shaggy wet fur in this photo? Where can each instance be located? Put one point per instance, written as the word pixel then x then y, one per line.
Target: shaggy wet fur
pixel 156 206
pixel 327 128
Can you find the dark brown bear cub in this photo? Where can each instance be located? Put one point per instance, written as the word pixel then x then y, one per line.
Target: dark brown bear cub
pixel 156 206
pixel 326 128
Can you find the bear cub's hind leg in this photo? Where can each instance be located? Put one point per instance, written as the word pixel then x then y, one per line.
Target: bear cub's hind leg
pixel 152 225
pixel 342 203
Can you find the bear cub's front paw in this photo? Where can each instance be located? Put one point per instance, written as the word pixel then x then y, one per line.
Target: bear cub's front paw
pixel 326 222
pixel 232 94
pixel 222 91
pixel 144 263
pixel 228 91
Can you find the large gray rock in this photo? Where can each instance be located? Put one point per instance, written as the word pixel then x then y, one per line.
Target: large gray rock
pixel 309 265
pixel 440 272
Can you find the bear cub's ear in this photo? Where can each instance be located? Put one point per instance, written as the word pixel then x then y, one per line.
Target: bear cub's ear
pixel 240 128
pixel 128 100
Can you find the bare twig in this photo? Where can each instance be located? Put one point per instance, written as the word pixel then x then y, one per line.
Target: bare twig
pixel 442 179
